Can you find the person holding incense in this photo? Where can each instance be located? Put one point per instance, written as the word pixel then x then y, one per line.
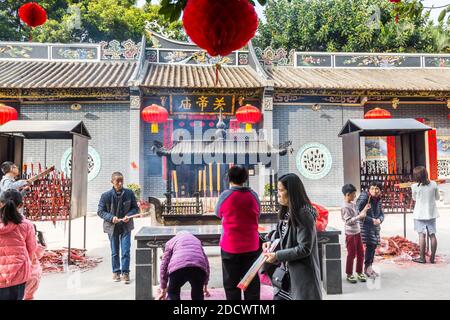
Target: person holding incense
pixel 297 276
pixel 425 193
pixel 184 260
pixel 239 209
pixel 10 173
pixel 115 208
pixel 370 225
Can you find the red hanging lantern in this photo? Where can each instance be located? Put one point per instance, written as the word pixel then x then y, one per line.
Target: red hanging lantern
pixel 7 114
pixel 220 27
pixel 154 114
pixel 378 113
pixel 249 115
pixel 395 1
pixel 32 14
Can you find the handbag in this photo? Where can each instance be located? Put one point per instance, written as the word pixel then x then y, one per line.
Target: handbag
pixel 280 278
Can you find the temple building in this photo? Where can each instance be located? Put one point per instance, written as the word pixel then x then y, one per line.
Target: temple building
pixel 303 98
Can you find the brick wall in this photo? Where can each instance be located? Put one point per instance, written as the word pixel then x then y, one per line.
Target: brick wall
pixel 109 127
pixel 302 125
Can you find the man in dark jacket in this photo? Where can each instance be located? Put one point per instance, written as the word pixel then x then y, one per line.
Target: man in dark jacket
pixel 114 208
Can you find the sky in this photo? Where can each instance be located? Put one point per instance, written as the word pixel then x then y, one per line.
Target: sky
pixel 426 3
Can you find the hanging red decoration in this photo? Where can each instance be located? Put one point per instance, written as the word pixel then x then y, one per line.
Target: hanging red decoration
pixel 378 113
pixel 395 1
pixel 154 114
pixel 32 15
pixel 249 115
pixel 7 114
pixel 220 27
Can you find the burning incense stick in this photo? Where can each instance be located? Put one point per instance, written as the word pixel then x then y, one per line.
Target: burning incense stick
pixel 175 182
pixel 218 179
pixel 210 180
pixel 204 182
pixel 253 271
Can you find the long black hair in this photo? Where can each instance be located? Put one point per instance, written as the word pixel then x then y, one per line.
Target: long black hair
pixel 11 199
pixel 298 199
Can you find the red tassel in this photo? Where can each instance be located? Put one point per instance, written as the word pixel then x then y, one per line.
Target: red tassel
pixel 396 18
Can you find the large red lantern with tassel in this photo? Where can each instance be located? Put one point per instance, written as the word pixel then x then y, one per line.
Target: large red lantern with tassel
pixel 7 114
pixel 220 27
pixel 249 115
pixel 154 114
pixel 32 14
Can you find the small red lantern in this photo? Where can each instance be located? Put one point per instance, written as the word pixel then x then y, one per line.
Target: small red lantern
pixel 249 115
pixel 154 114
pixel 378 113
pixel 7 114
pixel 32 14
pixel 395 1
pixel 220 27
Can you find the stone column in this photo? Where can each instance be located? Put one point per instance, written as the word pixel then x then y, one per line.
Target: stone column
pixel 267 109
pixel 136 165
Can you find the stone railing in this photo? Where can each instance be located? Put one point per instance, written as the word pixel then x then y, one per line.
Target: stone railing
pixel 113 50
pixel 281 57
pixel 129 50
pixel 188 56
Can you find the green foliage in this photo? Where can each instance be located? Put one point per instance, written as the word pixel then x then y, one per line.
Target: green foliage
pixel 267 190
pixel 84 21
pixel 136 189
pixel 350 26
pixel 172 9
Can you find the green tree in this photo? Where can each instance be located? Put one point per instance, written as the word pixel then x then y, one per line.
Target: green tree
pixel 349 26
pixel 85 21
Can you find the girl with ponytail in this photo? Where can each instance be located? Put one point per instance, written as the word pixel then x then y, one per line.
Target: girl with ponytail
pixel 17 247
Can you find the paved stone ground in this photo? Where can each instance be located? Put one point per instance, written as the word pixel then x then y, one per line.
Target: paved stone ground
pixel 396 281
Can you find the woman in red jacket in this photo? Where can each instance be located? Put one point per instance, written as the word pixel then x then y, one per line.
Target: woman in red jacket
pixel 239 209
pixel 17 248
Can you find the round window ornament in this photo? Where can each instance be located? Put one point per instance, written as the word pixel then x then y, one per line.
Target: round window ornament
pixel 75 107
pixel 314 161
pixel 94 163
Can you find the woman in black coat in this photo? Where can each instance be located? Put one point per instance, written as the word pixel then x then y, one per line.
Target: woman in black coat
pixel 298 250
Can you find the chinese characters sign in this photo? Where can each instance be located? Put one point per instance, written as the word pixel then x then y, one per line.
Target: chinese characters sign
pixel 202 104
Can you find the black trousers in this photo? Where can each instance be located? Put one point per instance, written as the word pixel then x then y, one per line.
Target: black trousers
pixel 196 278
pixel 234 267
pixel 13 293
pixel 369 254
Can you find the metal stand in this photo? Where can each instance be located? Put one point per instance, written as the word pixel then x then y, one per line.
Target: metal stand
pixel 69 262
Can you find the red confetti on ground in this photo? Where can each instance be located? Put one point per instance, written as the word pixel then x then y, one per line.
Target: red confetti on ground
pixel 400 250
pixel 52 260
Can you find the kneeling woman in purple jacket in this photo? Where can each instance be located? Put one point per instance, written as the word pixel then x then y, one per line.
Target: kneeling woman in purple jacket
pixel 184 260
